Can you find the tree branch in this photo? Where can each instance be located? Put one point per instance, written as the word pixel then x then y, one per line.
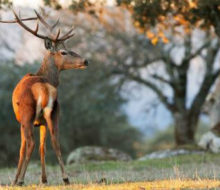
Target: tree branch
pixel 146 63
pixel 198 51
pixel 150 85
pixel 203 92
pixel 162 79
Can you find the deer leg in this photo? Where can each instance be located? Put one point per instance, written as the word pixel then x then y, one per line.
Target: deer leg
pixel 42 151
pixel 54 140
pixel 22 155
pixel 29 138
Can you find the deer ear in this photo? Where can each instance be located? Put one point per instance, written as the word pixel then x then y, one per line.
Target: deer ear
pixel 48 44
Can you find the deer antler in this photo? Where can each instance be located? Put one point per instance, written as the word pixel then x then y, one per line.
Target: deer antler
pixel 15 21
pixel 55 39
pixel 51 28
pixel 43 21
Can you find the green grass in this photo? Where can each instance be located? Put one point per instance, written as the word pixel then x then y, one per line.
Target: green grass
pixel 201 166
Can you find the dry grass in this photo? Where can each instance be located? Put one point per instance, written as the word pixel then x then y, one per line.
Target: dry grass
pixel 162 184
pixel 180 172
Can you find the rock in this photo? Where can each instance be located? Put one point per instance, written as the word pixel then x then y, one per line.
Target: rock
pixel 95 153
pixel 210 141
pixel 211 107
pixel 167 153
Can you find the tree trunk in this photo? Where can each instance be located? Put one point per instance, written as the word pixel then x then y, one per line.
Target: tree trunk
pixel 185 128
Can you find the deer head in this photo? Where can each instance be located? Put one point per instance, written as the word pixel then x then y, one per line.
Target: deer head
pixel 64 59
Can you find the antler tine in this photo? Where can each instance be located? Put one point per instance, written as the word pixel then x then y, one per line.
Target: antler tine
pixel 45 23
pixel 58 34
pixel 56 23
pixel 26 27
pixel 55 39
pixel 67 35
pixel 42 20
pixel 51 28
pixel 15 21
pixel 37 27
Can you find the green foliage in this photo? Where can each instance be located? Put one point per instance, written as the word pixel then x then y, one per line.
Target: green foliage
pixel 52 3
pixel 162 140
pixel 200 13
pixel 150 13
pixel 6 3
pixel 151 10
pixel 47 2
pixel 79 6
pixel 10 137
pixel 94 114
pixel 90 112
pixel 75 5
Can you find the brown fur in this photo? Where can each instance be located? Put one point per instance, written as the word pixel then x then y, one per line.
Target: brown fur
pixel 35 96
pixel 35 103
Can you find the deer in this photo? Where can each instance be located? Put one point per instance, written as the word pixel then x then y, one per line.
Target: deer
pixel 35 97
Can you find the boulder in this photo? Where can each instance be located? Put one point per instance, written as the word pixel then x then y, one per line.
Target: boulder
pixel 95 153
pixel 210 141
pixel 211 107
pixel 168 153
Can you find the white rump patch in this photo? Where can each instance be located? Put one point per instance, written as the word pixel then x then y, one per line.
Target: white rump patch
pixel 38 108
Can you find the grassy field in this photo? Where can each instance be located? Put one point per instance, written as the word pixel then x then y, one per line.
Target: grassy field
pixel 191 171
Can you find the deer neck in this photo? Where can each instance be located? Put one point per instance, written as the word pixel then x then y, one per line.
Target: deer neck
pixel 49 70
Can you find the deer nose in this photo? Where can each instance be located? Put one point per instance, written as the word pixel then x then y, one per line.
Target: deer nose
pixel 86 63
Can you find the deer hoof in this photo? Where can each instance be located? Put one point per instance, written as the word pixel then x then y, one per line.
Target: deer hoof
pixel 66 181
pixel 44 181
pixel 20 183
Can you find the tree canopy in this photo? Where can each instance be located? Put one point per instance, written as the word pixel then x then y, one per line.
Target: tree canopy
pixel 166 14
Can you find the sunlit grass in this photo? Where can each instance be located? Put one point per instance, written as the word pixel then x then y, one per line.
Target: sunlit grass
pixel 161 184
pixel 188 171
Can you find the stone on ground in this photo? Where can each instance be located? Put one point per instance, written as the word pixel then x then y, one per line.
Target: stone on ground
pixel 168 153
pixel 95 153
pixel 210 141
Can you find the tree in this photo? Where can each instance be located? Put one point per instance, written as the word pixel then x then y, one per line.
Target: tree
pixel 175 77
pixel 188 13
pixel 160 21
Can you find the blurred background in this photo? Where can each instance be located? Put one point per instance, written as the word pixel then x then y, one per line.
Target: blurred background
pixel 152 65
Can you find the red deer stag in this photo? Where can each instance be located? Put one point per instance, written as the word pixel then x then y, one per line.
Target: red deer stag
pixel 35 100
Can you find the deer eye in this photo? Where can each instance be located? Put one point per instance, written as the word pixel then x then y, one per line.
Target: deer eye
pixel 63 52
